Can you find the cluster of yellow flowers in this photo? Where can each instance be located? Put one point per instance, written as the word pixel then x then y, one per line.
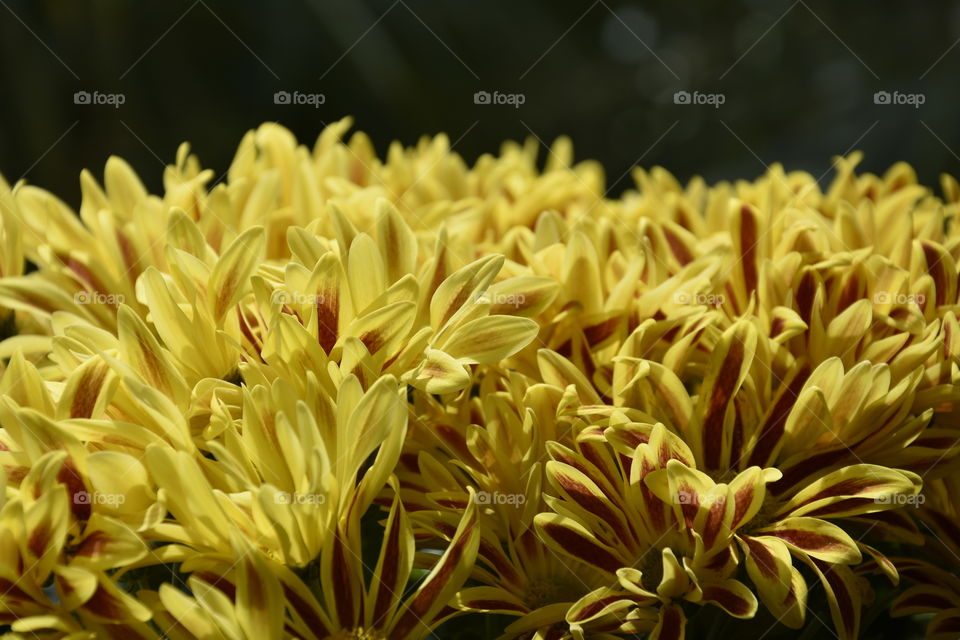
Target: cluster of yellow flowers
pixel 333 396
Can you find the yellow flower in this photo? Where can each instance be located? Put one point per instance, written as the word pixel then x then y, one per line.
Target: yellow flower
pixel 933 574
pixel 261 591
pixel 660 531
pixel 55 532
pixel 607 411
pixel 517 574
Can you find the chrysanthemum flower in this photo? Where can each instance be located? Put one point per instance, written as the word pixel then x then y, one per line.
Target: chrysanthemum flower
pixel 592 415
pixel 58 553
pixel 932 574
pixel 516 575
pixel 327 601
pixel 814 445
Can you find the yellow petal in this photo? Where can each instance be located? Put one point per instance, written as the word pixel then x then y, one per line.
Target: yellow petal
pixel 490 339
pixel 439 373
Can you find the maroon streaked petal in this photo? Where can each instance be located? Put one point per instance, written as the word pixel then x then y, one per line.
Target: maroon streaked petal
pixel 843 596
pixel 391 575
pixel 671 624
pixel 945 626
pixel 733 597
pixel 776 419
pixel 721 393
pixel 566 537
pixel 747 241
pixel 423 607
pixel 923 599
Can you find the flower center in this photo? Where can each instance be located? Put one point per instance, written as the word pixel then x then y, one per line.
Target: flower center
pixel 764 516
pixel 651 570
pixel 552 589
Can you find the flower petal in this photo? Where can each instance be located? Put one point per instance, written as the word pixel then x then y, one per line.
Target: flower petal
pixel 230 277
pixel 923 598
pixel 490 600
pixel 570 538
pixel 733 597
pixel 439 373
pixel 843 596
pixel 393 567
pixel 422 608
pixel 671 625
pixel 728 366
pixel 462 287
pixel 597 604
pixel 490 339
pixel 817 538
pixel 768 564
pixel 852 490
pixel 260 600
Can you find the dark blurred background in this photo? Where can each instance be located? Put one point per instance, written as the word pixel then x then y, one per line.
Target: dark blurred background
pixel 798 80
